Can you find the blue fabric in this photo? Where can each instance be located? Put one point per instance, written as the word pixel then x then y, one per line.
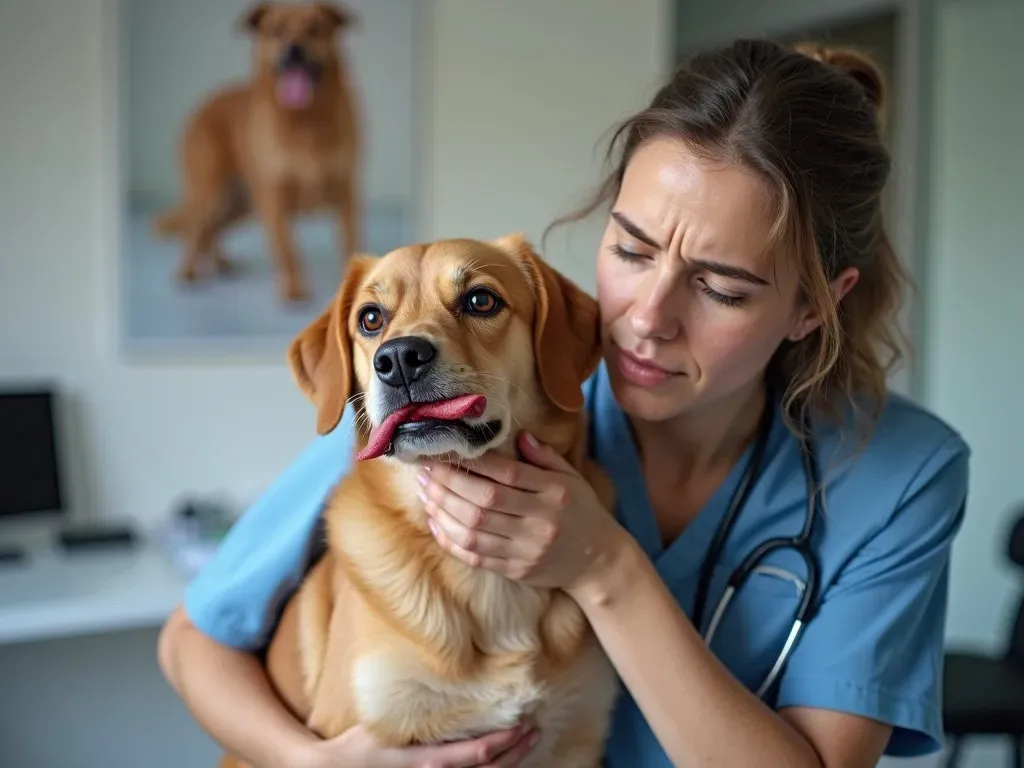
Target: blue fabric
pixel 875 648
pixel 238 595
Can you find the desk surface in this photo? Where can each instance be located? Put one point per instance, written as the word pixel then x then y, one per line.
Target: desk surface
pixel 55 595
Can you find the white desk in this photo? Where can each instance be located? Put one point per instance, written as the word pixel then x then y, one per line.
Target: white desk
pixel 56 595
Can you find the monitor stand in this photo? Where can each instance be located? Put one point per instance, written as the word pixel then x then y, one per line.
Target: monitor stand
pixel 86 536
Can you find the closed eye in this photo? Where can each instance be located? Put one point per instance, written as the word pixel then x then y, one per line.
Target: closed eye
pixel 626 255
pixel 721 298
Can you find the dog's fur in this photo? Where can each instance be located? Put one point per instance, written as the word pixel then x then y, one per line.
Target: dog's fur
pixel 246 149
pixel 388 629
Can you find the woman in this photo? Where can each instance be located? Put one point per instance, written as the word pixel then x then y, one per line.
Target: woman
pixel 745 282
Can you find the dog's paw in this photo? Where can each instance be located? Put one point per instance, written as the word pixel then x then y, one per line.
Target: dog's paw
pixel 187 275
pixel 226 267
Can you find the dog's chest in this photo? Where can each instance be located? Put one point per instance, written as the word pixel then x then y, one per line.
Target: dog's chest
pixel 397 687
pixel 310 167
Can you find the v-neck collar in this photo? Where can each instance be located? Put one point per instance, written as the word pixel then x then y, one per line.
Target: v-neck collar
pixel 618 454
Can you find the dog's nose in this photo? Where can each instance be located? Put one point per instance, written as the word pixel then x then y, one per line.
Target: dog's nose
pixel 401 361
pixel 294 54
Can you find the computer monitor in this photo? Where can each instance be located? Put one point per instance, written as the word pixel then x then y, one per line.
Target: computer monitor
pixel 31 481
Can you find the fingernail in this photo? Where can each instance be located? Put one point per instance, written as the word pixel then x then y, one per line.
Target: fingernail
pixel 534 738
pixel 433 527
pixel 423 497
pixel 422 479
pixel 532 441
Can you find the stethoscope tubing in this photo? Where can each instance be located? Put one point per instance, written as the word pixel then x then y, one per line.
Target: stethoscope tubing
pixel 800 543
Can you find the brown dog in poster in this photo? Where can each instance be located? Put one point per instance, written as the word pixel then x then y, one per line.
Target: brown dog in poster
pixel 444 350
pixel 284 143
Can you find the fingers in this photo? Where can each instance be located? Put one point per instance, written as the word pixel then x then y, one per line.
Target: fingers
pixel 481 493
pixel 544 456
pixel 503 470
pixel 469 557
pixel 513 757
pixel 474 753
pixel 479 540
pixel 472 515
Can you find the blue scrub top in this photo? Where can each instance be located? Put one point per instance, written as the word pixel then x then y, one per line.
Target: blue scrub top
pixel 893 507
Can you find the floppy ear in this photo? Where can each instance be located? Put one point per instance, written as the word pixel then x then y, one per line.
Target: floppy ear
pixel 566 328
pixel 251 19
pixel 340 17
pixel 320 357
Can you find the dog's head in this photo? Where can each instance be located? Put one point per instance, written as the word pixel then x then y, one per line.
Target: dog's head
pixel 448 349
pixel 296 45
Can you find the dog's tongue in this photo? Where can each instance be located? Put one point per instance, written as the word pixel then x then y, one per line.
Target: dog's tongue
pixel 464 407
pixel 295 88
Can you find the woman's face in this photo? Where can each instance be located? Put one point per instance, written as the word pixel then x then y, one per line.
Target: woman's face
pixel 693 306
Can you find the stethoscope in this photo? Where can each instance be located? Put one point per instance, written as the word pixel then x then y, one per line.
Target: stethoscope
pixel 799 543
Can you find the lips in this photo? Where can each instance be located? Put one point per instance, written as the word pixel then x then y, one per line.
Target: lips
pixel 454 409
pixel 641 372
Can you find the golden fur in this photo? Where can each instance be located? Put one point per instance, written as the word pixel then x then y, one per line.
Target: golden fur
pixel 243 150
pixel 389 630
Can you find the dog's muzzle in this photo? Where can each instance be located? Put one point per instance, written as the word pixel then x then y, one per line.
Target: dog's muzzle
pixel 297 75
pixel 403 361
pixel 419 407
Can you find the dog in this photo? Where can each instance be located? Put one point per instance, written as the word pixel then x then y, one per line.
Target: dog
pixel 444 350
pixel 284 143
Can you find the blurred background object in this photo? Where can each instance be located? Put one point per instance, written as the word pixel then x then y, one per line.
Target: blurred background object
pixel 491 120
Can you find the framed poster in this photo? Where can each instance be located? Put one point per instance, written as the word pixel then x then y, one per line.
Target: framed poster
pixel 261 143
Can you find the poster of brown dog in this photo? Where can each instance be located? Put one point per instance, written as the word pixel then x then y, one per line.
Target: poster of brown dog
pixel 266 143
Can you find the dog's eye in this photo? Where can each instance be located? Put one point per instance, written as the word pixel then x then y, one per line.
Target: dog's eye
pixel 371 320
pixel 482 301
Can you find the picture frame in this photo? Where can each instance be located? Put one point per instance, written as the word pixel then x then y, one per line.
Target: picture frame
pixel 188 77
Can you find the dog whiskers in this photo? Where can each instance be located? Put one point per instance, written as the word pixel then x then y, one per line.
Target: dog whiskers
pixel 489 388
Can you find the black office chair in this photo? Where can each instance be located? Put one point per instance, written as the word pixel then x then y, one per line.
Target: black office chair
pixel 984 695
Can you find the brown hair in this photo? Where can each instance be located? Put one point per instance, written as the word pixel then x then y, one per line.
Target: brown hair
pixel 808 119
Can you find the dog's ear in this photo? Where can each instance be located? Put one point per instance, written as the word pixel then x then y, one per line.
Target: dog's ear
pixel 253 16
pixel 320 357
pixel 339 16
pixel 566 328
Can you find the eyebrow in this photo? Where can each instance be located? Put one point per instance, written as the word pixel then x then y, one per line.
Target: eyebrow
pixel 716 267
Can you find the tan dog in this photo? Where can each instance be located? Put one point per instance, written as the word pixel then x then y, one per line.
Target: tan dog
pixel 285 143
pixel 387 629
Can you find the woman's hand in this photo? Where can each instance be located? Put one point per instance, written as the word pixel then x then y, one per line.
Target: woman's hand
pixel 357 748
pixel 540 523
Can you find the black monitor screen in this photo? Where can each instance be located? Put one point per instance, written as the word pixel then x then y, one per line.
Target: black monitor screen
pixel 29 474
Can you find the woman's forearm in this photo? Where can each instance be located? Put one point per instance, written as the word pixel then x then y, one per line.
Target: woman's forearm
pixel 699 712
pixel 229 694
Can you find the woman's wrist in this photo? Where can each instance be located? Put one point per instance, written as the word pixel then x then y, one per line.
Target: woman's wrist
pixel 615 570
pixel 302 752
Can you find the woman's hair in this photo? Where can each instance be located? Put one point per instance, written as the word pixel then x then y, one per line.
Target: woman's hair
pixel 808 120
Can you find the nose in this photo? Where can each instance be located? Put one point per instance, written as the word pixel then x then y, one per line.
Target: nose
pixel 656 312
pixel 400 362
pixel 294 54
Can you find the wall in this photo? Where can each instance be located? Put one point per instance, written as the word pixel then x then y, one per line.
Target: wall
pixel 974 365
pixel 518 96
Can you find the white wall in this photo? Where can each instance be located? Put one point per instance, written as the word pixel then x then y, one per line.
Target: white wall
pixel 518 95
pixel 974 361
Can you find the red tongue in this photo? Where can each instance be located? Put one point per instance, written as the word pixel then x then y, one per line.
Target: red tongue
pixel 466 406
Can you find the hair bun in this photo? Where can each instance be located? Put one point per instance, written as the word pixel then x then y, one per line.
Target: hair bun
pixel 857 65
